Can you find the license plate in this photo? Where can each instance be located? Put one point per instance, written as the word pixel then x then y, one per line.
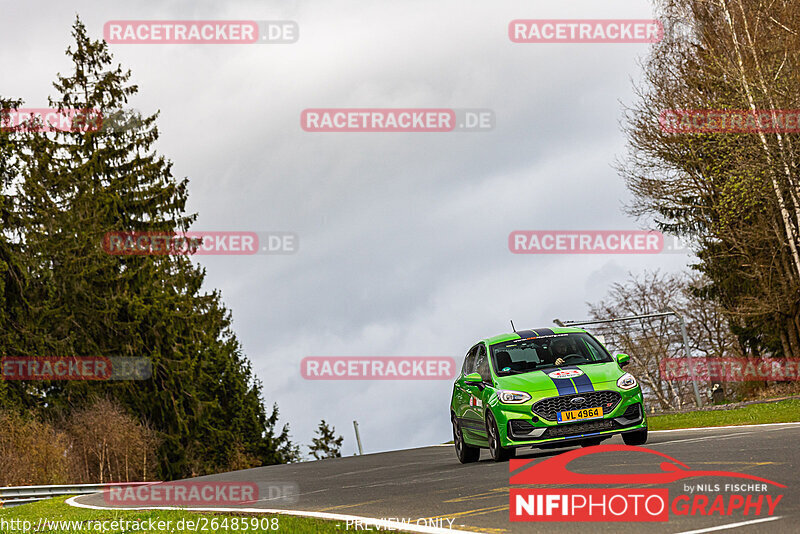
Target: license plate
pixel 577 415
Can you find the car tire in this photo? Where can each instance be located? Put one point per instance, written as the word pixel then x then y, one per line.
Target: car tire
pixel 466 454
pixel 496 449
pixel 638 437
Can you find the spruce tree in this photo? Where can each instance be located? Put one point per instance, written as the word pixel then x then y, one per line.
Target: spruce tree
pixel 77 186
pixel 326 444
pixel 12 270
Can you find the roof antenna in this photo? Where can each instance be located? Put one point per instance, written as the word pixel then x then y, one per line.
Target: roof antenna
pixel 512 326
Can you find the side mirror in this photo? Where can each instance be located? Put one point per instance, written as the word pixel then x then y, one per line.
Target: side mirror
pixel 473 379
pixel 622 359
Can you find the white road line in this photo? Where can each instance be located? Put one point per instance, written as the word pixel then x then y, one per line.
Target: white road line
pixel 721 427
pixel 385 524
pixel 382 468
pixel 731 525
pixel 689 440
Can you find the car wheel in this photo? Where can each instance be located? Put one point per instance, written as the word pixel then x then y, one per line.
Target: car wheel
pixel 498 452
pixel 466 453
pixel 635 438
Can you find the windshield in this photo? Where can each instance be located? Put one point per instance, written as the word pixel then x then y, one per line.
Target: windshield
pixel 526 355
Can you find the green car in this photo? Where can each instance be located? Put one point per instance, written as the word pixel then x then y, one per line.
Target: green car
pixel 543 388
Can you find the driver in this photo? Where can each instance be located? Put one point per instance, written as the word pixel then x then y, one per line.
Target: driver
pixel 560 349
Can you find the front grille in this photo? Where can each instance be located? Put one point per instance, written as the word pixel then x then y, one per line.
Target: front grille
pixel 549 408
pixel 576 429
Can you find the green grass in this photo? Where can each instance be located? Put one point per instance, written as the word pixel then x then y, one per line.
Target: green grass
pixel 56 510
pixel 777 412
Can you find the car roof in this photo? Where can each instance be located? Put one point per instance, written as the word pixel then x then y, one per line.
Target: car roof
pixel 534 332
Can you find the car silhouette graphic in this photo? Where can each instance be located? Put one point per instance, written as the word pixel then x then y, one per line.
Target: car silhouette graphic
pixel 554 470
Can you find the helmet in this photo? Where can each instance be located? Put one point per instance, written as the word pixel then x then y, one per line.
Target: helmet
pixel 560 348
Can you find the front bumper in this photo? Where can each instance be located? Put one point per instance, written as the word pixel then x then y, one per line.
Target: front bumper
pixel 519 425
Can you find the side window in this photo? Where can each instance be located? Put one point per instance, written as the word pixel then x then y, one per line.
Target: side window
pixel 469 362
pixel 482 363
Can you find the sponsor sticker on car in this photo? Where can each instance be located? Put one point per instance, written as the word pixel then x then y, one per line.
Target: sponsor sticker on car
pixel 565 373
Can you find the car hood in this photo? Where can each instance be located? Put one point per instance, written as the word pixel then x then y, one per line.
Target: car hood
pixel 598 373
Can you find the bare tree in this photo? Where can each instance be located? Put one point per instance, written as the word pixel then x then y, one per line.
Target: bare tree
pixel 31 452
pixel 651 341
pixel 108 445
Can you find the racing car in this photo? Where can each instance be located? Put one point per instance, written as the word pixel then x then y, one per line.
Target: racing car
pixel 543 388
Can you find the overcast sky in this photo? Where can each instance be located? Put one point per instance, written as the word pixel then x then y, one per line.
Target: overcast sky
pixel 403 236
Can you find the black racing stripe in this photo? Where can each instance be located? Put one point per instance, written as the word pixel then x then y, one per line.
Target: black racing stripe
pixel 563 385
pixel 544 332
pixel 583 384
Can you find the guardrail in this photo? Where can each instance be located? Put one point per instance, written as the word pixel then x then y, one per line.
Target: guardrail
pixel 16 495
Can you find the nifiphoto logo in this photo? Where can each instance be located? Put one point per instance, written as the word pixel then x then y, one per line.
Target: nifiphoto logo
pixel 638 500
pixel 587 504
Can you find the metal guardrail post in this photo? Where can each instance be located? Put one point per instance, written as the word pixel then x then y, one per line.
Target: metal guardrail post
pixel 697 397
pixel 358 439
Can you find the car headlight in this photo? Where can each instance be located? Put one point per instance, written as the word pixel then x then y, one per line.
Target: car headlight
pixel 513 397
pixel 626 381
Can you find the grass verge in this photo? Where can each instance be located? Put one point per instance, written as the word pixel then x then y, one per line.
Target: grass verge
pixel 152 521
pixel 779 412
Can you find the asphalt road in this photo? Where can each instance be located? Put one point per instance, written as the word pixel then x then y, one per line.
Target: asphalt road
pixel 430 482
